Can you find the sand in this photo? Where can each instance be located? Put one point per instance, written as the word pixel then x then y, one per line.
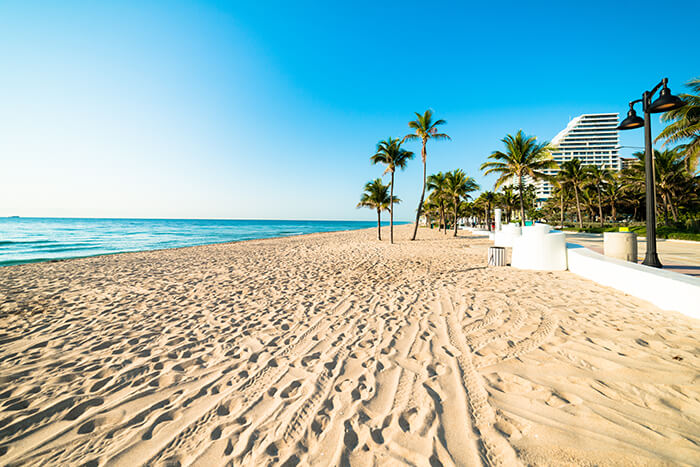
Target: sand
pixel 336 349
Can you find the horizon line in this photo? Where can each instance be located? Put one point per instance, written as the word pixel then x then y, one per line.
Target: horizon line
pixel 192 219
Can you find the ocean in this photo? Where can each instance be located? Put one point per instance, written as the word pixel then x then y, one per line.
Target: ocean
pixel 27 240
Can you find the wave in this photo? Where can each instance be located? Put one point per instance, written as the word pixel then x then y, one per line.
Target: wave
pixel 60 249
pixel 24 242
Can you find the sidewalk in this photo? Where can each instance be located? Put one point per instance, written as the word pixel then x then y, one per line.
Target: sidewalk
pixel 676 255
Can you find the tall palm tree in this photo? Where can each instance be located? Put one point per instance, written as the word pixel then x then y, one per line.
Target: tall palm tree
pixel 685 125
pixel 389 152
pixel 523 157
pixel 575 176
pixel 598 178
pixel 437 185
pixel 458 186
pixel 424 129
pixel 376 196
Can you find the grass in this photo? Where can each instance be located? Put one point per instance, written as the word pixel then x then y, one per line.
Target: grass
pixel 663 231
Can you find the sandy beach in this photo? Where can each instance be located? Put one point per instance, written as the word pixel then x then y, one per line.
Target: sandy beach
pixel 337 349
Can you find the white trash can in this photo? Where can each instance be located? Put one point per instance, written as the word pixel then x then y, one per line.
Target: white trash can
pixel 497 256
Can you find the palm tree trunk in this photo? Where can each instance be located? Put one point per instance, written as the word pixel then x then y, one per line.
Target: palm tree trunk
pixel 561 208
pixel 613 210
pixel 422 195
pixel 674 211
pixel 522 207
pixel 600 209
pixel 443 218
pixel 664 198
pixel 379 223
pixel 578 209
pixel 391 213
pixel 456 204
pixel 488 217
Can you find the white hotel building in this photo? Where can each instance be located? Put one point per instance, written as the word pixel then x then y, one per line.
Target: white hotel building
pixel 592 138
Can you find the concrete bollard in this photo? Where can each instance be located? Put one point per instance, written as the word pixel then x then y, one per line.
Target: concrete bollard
pixel 497 214
pixel 620 245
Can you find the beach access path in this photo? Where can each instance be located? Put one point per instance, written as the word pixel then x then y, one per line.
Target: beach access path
pixel 338 349
pixel 682 256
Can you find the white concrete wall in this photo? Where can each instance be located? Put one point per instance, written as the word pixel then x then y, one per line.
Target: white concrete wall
pixel 665 289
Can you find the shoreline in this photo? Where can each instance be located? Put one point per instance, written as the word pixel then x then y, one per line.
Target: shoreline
pixel 57 260
pixel 338 349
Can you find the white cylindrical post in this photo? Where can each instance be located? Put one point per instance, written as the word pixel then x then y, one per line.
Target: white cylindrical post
pixel 620 245
pixel 498 214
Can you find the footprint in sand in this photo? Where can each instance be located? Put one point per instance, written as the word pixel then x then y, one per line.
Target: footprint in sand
pixel 291 390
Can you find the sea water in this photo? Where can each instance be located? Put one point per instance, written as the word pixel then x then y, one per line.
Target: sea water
pixel 25 240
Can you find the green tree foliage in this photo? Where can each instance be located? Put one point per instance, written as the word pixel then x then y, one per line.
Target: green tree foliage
pixel 390 153
pixel 523 156
pixel 424 129
pixel 376 196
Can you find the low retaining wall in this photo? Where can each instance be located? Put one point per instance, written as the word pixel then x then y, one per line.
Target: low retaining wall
pixel 665 289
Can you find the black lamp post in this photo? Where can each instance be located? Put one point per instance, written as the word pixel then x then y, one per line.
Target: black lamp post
pixel 665 102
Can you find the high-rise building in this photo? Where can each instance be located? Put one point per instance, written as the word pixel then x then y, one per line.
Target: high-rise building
pixel 628 162
pixel 592 138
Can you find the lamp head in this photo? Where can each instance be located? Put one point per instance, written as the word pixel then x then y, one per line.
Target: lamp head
pixel 665 102
pixel 632 121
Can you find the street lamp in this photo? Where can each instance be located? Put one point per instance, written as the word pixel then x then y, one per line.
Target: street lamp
pixel 665 102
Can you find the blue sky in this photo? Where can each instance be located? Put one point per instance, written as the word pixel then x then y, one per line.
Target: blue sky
pixel 271 110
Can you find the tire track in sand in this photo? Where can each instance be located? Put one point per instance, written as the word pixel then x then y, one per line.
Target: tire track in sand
pixel 496 450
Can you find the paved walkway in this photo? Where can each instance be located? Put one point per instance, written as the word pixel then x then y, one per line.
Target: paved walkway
pixel 675 255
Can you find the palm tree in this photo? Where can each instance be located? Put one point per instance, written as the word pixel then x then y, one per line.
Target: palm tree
pixel 588 201
pixel 437 185
pixel 671 177
pixel 523 157
pixel 431 210
pixel 685 125
pixel 376 196
pixel 389 152
pixel 459 185
pixel 466 209
pixel 508 199
pixel 486 200
pixel 613 193
pixel 669 168
pixel 560 191
pixel 575 176
pixel 424 129
pixel 598 178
